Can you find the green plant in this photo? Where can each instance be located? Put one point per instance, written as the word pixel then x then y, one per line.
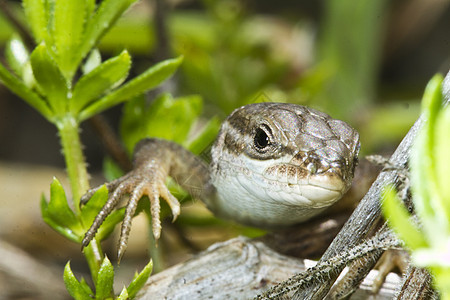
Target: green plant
pixel 231 59
pixel 428 236
pixel 65 80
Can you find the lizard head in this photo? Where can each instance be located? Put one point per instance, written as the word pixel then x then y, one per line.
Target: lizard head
pixel 279 164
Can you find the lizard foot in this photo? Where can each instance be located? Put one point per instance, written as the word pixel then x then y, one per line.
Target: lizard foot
pixel 389 261
pixel 137 184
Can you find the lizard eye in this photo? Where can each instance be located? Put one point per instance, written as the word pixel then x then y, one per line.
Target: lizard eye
pixel 262 138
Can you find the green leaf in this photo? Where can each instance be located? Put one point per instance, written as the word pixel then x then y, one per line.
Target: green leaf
pixel 104 77
pixel 435 135
pixel 139 280
pixel 400 221
pixel 103 19
pixel 21 90
pixel 123 294
pixel 58 209
pixel 139 85
pixel 105 280
pixel 69 18
pixel 94 205
pixel 427 196
pixel 64 231
pixel 421 186
pixel 58 214
pixel 432 98
pixel 16 54
pixel 73 286
pixel 49 78
pixel 441 155
pixel 35 11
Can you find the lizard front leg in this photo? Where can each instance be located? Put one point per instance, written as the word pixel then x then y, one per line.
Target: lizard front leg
pixel 154 160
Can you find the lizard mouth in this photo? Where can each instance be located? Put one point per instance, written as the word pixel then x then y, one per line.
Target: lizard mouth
pixel 330 178
pixel 296 184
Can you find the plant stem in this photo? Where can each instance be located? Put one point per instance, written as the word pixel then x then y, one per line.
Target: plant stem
pixel 68 129
pixel 94 257
pixel 73 155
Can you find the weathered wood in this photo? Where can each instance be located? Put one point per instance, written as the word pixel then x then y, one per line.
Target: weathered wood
pixel 417 285
pixel 238 269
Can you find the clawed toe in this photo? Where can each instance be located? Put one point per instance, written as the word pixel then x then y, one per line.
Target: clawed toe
pixel 110 186
pixel 118 188
pixel 173 202
pixel 137 187
pixel 88 195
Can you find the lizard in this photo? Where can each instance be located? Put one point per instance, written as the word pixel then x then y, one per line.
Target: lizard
pixel 272 165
